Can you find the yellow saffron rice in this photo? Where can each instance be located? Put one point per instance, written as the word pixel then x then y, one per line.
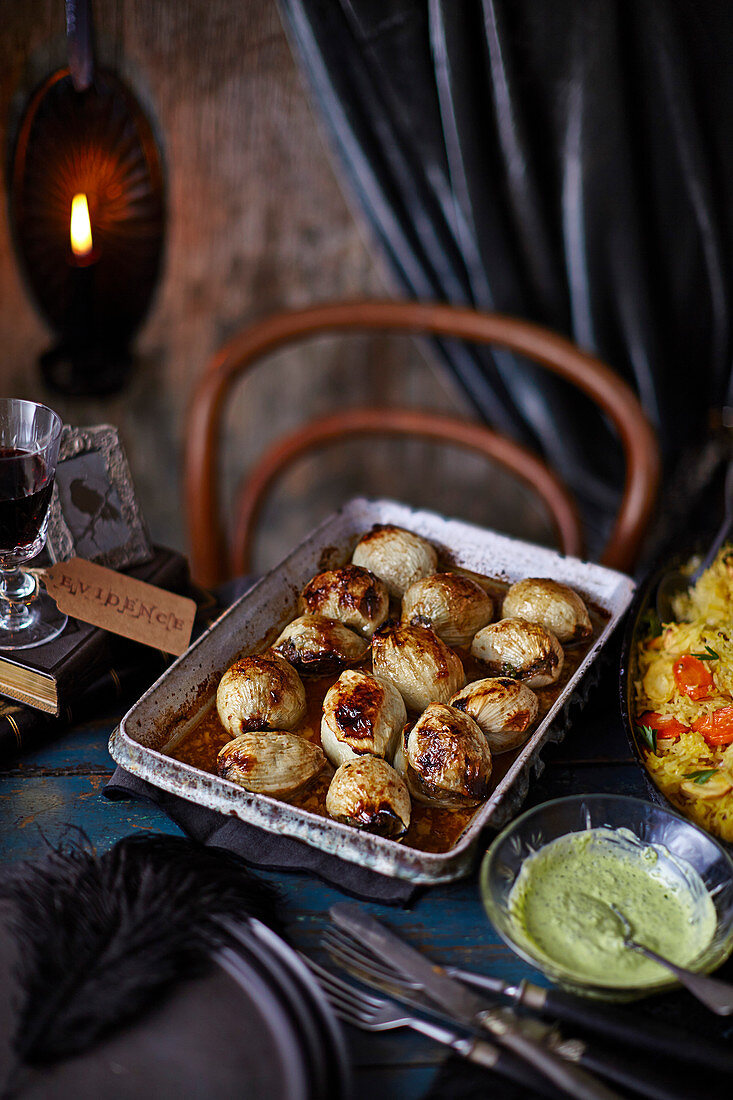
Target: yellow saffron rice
pixel 703 628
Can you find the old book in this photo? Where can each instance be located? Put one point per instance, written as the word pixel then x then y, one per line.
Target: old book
pixel 25 728
pixel 49 677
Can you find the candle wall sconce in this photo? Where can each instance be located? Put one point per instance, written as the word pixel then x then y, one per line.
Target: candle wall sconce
pixel 85 142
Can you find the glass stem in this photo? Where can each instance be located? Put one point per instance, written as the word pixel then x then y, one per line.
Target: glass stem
pixel 16 588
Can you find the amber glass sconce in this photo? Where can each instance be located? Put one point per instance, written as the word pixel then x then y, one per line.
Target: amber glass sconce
pixel 87 207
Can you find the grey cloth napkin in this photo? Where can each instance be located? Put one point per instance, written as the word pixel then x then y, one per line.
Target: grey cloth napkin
pixel 258 848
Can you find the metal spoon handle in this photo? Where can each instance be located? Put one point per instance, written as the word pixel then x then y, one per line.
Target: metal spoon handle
pixel 717 995
pixel 722 530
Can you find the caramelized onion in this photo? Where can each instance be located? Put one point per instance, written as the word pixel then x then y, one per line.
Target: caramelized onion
pixel 369 794
pixel 422 668
pixel 263 692
pixel 362 713
pixel 316 646
pixel 352 595
pixel 397 556
pixel 445 759
pixel 454 606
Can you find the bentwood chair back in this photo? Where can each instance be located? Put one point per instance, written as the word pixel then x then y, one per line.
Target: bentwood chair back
pixel 213 561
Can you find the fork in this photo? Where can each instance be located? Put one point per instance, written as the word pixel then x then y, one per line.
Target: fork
pixel 641 1077
pixel 370 1013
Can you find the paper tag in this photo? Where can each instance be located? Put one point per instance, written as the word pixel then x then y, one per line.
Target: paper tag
pixel 121 604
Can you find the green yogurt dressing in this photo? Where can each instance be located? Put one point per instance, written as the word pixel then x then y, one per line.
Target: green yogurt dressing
pixel 560 905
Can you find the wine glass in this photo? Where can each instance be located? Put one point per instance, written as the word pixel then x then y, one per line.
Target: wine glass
pixel 29 448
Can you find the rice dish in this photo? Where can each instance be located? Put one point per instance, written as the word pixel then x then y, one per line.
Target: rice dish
pixel 683 691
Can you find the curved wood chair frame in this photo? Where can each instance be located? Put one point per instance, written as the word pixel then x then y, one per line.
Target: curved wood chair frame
pixel 550 350
pixel 413 423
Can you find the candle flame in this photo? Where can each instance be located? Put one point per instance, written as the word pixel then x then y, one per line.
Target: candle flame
pixel 81 227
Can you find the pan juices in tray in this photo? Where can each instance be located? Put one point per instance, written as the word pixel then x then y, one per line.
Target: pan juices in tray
pixel 399 696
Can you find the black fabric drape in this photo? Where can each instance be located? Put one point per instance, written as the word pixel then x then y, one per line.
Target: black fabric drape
pixel 568 162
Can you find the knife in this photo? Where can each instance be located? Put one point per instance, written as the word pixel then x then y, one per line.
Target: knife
pixel 648 1034
pixel 472 1047
pixel 465 1006
pixel 638 1075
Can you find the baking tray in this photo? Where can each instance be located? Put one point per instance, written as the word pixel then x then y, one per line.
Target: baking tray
pixel 174 703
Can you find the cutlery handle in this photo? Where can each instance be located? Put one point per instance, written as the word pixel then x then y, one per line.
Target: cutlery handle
pixel 648 1034
pixel 615 1024
pixel 638 1076
pixel 502 1062
pixel 568 1077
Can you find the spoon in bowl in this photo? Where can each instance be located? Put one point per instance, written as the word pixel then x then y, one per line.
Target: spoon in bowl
pixel 716 995
pixel 675 582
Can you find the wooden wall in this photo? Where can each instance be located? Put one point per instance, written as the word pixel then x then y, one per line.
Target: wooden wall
pixel 257 221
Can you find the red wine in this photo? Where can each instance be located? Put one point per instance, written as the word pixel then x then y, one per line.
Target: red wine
pixel 25 494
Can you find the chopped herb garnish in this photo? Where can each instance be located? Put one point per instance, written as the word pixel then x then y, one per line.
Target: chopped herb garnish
pixel 708 655
pixel 650 737
pixel 702 776
pixel 651 621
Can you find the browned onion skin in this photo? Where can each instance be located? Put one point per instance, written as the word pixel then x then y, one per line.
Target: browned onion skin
pixel 275 763
pixel 520 649
pixel 422 667
pixel 552 605
pixel 262 692
pixel 362 713
pixel 351 594
pixel 369 794
pixel 316 646
pixel 504 709
pixel 455 607
pixel 396 556
pixel 445 759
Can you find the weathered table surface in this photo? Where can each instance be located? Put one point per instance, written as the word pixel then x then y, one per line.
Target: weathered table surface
pixel 44 792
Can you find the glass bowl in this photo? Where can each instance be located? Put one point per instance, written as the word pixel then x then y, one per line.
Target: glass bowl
pixel 652 825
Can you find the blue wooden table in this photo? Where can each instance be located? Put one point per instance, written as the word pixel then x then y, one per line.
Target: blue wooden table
pixel 43 793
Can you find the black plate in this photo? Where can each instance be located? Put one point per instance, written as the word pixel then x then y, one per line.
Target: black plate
pixel 324 1040
pixel 320 1035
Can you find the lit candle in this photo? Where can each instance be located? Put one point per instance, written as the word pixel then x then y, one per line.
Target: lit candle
pixel 82 324
pixel 81 229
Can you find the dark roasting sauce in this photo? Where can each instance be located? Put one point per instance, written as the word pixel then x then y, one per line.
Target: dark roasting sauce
pixel 431 829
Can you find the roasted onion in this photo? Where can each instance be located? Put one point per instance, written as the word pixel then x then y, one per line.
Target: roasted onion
pixel 263 692
pixel 422 667
pixel 277 763
pixel 454 606
pixel 316 646
pixel 397 556
pixel 369 794
pixel 445 759
pixel 504 710
pixel 352 595
pixel 520 649
pixel 552 605
pixel 362 713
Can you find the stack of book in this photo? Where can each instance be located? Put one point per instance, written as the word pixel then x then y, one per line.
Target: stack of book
pixel 82 671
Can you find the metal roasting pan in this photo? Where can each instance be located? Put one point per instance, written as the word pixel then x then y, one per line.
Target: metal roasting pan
pixel 174 703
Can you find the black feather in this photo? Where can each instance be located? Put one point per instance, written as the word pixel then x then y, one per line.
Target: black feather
pixel 100 937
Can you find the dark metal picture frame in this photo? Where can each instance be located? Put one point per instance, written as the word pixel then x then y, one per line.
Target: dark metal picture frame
pixel 94 512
